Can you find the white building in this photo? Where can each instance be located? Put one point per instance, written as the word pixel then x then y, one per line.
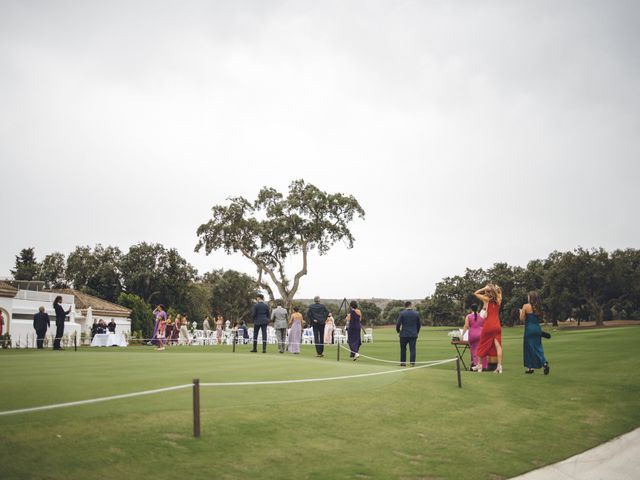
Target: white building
pixel 19 305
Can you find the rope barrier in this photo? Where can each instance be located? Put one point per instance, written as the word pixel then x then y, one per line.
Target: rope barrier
pixel 215 384
pixel 321 379
pixel 93 400
pixel 382 360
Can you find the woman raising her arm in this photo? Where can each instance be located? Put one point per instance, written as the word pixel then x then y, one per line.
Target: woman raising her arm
pixel 491 336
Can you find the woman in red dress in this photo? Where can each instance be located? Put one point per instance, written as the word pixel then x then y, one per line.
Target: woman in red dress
pixel 491 336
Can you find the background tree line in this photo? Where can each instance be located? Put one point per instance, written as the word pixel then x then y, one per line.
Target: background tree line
pixel 146 275
pixel 585 284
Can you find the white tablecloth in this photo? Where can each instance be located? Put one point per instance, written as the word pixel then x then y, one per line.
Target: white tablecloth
pixel 108 340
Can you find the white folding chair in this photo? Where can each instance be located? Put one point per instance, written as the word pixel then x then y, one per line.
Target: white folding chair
pixel 307 336
pixel 368 335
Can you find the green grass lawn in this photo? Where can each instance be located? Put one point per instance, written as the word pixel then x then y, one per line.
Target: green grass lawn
pixel 416 424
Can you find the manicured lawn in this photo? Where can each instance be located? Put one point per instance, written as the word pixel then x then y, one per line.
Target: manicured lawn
pixel 416 424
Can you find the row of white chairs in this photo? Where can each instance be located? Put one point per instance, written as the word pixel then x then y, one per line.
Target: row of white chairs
pixel 201 338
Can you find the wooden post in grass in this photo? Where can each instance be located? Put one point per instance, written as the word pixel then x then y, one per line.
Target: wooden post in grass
pixel 196 407
pixel 235 340
pixel 458 369
pixel 338 345
pixel 75 342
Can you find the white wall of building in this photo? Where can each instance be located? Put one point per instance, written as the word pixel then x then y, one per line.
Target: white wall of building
pixel 26 303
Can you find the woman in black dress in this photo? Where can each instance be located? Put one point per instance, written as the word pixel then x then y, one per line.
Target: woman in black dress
pixel 60 316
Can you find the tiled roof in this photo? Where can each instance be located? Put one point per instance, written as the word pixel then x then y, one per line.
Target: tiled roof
pixel 99 306
pixel 7 290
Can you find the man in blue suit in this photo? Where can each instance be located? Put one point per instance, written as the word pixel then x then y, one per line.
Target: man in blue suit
pixel 260 316
pixel 408 326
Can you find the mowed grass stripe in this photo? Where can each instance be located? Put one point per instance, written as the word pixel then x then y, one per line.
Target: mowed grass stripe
pixel 412 426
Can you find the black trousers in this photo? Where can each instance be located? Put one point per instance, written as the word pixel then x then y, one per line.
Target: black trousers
pixel 59 333
pixel 256 329
pixel 40 338
pixel 318 338
pixel 412 349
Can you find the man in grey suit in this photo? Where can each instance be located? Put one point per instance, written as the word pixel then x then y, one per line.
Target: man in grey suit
pixel 408 326
pixel 41 323
pixel 280 318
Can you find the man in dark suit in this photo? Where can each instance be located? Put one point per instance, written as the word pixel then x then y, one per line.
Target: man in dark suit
pixel 41 323
pixel 408 326
pixel 317 314
pixel 260 315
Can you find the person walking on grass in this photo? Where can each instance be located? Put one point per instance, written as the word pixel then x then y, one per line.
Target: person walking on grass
pixel 219 327
pixel 317 314
pixel 260 316
pixel 295 331
pixel 206 327
pixel 41 323
pixel 160 312
pixel 353 330
pixel 408 326
pixel 279 316
pixel 491 336
pixel 61 314
pixel 531 315
pixel 329 327
pixel 473 323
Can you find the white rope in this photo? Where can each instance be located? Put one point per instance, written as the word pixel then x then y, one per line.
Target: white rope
pixel 94 400
pixel 385 361
pixel 212 384
pixel 321 379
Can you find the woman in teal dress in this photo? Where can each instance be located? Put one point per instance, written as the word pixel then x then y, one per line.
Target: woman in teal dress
pixel 531 314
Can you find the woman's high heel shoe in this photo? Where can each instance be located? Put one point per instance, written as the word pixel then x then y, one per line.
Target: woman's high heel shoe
pixel 498 369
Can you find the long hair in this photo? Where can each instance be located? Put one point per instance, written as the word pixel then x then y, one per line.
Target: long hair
pixel 474 309
pixel 57 300
pixel 492 292
pixel 536 304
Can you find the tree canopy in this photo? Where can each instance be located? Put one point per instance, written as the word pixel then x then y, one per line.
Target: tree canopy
pixel 26 265
pixel 273 228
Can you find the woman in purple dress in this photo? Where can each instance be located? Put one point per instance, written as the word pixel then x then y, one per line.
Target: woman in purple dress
pixel 161 315
pixel 474 323
pixel 295 331
pixel 353 330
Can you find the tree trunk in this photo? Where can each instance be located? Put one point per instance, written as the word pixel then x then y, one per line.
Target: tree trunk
pixel 598 314
pixel 596 308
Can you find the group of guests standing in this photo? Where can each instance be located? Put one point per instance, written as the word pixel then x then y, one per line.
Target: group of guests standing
pixel 168 331
pixel 219 323
pixel 318 317
pixel 100 326
pixel 485 331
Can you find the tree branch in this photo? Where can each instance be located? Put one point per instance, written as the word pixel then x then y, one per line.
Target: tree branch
pixel 301 273
pixel 268 270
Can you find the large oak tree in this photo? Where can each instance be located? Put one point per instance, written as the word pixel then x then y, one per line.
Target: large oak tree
pixel 274 228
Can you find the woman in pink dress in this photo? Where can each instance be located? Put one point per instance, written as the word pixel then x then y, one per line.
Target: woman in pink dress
pixel 219 325
pixel 329 327
pixel 474 322
pixel 296 322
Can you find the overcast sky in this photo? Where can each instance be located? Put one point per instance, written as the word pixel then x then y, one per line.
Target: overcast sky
pixel 470 132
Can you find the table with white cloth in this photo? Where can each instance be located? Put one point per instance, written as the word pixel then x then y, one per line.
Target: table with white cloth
pixel 108 340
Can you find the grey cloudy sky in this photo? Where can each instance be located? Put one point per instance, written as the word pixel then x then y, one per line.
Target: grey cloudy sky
pixel 471 132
